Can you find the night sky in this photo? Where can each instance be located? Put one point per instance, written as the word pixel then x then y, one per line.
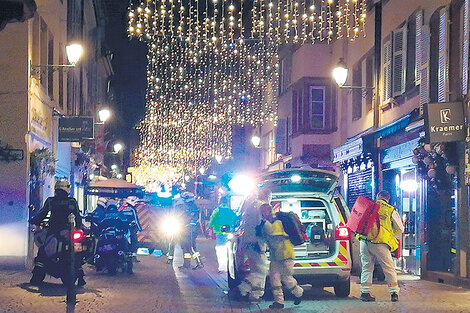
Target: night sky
pixel 129 81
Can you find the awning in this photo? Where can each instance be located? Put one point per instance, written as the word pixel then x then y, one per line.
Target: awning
pixel 12 11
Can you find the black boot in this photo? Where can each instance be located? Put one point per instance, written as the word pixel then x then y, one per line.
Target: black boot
pixel 276 305
pixel 297 300
pixel 366 297
pixel 394 297
pixel 38 276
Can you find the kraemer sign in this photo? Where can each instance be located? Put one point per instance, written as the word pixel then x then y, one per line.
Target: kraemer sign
pixel 75 129
pixel 445 122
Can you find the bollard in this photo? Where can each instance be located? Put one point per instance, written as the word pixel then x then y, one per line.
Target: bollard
pixel 71 291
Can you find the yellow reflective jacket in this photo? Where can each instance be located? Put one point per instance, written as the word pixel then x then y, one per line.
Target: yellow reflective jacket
pixel 280 247
pixel 386 234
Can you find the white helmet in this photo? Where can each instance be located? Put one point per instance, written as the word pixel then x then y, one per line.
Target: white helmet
pixel 62 184
pixel 187 196
pixel 111 204
pixel 101 202
pixel 132 200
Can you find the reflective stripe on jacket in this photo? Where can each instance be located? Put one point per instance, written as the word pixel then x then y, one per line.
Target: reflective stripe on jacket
pixel 280 247
pixel 386 233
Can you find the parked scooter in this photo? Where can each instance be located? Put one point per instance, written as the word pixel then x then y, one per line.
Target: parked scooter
pixel 57 249
pixel 113 247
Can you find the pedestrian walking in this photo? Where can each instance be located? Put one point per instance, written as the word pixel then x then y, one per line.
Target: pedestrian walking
pixel 378 245
pixel 281 251
pixel 191 215
pixel 222 220
pixel 252 286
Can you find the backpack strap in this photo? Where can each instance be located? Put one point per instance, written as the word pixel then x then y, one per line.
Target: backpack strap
pixel 377 219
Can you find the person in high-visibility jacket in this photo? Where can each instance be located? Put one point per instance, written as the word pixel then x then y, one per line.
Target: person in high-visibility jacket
pixel 378 245
pixel 223 217
pixel 281 252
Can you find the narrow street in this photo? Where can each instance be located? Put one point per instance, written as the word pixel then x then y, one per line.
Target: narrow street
pixel 156 287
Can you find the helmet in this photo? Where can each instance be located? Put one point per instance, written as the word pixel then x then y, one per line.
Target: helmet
pixel 101 202
pixel 187 196
pixel 111 204
pixel 62 184
pixel 132 200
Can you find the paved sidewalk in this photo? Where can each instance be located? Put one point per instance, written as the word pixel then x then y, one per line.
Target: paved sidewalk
pixel 159 287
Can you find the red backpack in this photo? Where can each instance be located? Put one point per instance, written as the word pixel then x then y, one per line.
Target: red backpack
pixel 364 213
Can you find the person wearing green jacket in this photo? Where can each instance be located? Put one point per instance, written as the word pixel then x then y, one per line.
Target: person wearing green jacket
pixel 222 216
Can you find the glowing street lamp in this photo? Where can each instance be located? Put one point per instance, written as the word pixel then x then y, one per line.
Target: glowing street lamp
pixel 256 141
pixel 340 73
pixel 104 115
pixel 118 147
pixel 74 52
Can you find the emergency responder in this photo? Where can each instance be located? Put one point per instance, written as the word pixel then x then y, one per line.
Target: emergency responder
pixel 281 253
pixel 188 241
pixel 222 221
pixel 378 245
pixel 128 209
pixel 252 287
pixel 60 207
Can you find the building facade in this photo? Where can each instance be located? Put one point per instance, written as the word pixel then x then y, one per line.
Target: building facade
pixel 414 53
pixel 32 99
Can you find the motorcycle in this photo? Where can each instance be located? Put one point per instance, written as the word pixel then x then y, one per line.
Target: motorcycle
pixel 56 251
pixel 113 247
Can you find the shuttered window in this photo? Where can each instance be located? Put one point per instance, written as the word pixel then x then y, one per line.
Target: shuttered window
pixel 424 67
pixel 357 93
pixel 465 45
pixel 419 46
pixel 369 79
pixel 443 71
pixel 399 61
pixel 387 71
pixel 295 125
pixel 411 53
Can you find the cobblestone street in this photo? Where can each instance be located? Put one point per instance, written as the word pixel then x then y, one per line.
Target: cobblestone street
pixel 157 287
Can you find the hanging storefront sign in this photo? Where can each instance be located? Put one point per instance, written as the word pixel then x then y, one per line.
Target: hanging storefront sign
pixel 75 129
pixel 444 122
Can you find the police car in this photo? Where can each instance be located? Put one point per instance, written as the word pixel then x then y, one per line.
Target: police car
pixel 324 260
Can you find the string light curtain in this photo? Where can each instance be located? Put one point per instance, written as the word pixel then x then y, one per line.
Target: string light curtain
pixel 282 21
pixel 195 94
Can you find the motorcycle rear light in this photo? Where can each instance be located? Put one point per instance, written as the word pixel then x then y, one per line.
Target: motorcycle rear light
pixel 77 235
pixel 342 233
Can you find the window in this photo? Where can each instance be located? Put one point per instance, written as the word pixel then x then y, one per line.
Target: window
pixel 465 44
pixel 411 45
pixel 61 77
pixel 295 125
pixel 43 56
pixel 284 74
pixel 50 60
pixel 357 93
pixel 317 107
pixel 387 70
pixel 399 61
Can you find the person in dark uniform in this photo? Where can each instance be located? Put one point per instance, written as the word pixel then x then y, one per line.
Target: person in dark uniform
pixel 188 242
pixel 60 207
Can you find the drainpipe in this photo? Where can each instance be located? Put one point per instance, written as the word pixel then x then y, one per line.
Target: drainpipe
pixel 378 65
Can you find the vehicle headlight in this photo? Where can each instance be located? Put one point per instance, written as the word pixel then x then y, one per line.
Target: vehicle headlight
pixel 171 226
pixel 242 185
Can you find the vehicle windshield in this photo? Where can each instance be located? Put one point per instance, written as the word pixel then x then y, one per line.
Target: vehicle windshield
pixel 299 181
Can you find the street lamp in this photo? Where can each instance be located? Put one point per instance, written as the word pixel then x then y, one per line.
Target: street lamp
pixel 74 52
pixel 256 141
pixel 104 115
pixel 340 75
pixel 118 147
pixel 114 167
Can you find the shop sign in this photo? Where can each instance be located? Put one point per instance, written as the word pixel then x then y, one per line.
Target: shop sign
pixel 75 129
pixel 444 122
pixel 359 184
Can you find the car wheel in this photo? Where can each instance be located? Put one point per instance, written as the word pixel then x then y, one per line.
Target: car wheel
pixel 343 288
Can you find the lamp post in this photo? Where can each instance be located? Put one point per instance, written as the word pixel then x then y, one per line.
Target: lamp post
pixel 340 75
pixel 74 52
